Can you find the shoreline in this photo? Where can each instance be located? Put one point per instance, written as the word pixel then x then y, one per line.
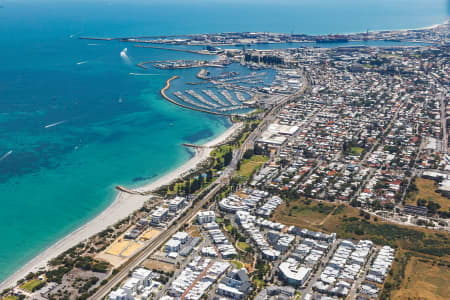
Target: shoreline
pixel 446 22
pixel 123 205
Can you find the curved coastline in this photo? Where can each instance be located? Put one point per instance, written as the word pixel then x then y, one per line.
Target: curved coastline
pixel 123 205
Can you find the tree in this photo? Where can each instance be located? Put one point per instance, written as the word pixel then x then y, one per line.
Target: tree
pixel 433 207
pixel 257 150
pixel 188 186
pixel 208 176
pixel 248 153
pixel 284 162
pixel 421 202
pixel 377 205
pixel 389 206
pixel 355 203
pixel 227 157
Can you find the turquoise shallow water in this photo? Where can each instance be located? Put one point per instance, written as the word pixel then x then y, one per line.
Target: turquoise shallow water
pixel 116 129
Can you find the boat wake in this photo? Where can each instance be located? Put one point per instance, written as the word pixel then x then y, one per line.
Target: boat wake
pixel 73 35
pixel 82 62
pixel 124 56
pixel 6 155
pixel 55 124
pixel 143 74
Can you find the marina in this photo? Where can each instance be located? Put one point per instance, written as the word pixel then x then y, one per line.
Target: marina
pixel 184 98
pixel 213 96
pixel 227 95
pixel 167 86
pixel 53 74
pixel 200 98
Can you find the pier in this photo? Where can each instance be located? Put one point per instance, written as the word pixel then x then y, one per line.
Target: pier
pixel 202 52
pixel 142 64
pixel 201 99
pixel 197 146
pixel 227 95
pixel 167 86
pixel 187 100
pixel 213 96
pixel 125 190
pixel 134 38
pixel 203 74
pixel 97 38
pixel 196 83
pixel 232 108
pixel 240 96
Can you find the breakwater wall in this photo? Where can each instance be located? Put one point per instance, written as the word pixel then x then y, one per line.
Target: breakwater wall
pixel 167 86
pixel 202 52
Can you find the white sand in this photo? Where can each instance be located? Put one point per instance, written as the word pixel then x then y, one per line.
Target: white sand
pixel 123 205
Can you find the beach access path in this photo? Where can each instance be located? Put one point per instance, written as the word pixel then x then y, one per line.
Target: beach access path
pixel 123 205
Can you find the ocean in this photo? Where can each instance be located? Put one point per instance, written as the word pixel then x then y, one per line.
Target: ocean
pixel 74 122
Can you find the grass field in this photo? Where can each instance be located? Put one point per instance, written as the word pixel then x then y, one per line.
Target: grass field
pixel 303 213
pixel 258 282
pixel 11 298
pixel 346 222
pixel 31 285
pixel 229 227
pixel 357 150
pixel 152 264
pixel 243 246
pixel 412 277
pixel 193 231
pixel 427 190
pixel 248 166
pixel 237 264
pixel 423 279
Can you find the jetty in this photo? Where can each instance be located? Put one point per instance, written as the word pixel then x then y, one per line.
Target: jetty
pixel 167 86
pixel 227 95
pixel 240 96
pixel 252 75
pixel 202 52
pixel 200 98
pixel 197 146
pixel 213 96
pixel 229 108
pixel 125 190
pixel 142 64
pixel 133 38
pixel 203 74
pixel 184 98
pixel 196 83
pixel 98 38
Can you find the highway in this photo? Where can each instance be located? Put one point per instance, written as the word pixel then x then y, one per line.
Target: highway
pixel 444 125
pixel 222 181
pixel 139 258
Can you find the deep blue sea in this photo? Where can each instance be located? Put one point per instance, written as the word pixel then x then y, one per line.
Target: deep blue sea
pixel 113 127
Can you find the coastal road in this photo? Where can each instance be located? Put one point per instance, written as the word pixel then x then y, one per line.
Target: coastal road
pixel 270 117
pixel 139 258
pixel 222 181
pixel 444 125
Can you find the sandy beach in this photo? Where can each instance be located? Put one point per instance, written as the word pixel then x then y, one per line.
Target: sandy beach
pixel 123 205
